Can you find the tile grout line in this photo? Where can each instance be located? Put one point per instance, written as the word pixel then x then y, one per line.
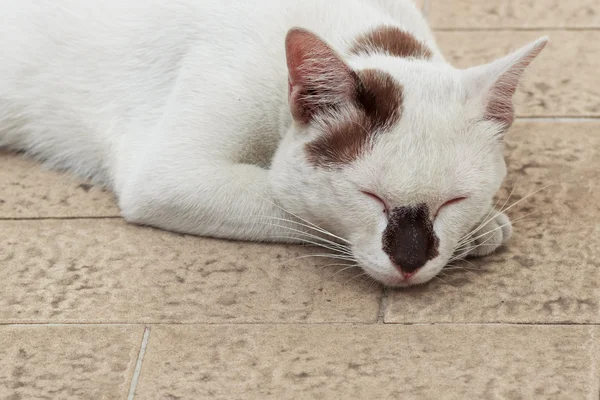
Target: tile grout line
pixel 138 364
pixel 557 119
pixel 383 303
pixel 59 218
pixel 515 29
pixel 595 353
pixel 283 323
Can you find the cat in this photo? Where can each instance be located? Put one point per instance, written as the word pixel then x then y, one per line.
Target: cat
pixel 337 122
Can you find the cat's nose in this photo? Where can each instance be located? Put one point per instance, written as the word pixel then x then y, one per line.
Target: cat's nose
pixel 409 239
pixel 409 261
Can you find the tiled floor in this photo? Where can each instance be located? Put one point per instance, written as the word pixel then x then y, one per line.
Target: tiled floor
pixel 93 308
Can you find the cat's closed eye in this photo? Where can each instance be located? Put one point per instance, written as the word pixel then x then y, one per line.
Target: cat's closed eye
pixel 377 199
pixel 449 203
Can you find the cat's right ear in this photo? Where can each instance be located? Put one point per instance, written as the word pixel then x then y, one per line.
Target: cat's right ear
pixel 318 77
pixel 495 83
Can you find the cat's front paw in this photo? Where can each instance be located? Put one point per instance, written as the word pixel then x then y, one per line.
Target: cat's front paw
pixel 487 238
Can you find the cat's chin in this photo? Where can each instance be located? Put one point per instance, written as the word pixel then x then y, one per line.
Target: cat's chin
pixel 402 283
pixel 399 281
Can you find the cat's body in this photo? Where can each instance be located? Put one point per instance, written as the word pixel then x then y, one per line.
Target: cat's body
pixel 183 108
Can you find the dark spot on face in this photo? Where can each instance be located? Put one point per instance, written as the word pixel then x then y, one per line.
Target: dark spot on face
pixel 392 41
pixel 377 105
pixel 380 96
pixel 409 239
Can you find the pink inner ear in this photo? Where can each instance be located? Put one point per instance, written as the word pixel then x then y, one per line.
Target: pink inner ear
pixel 499 102
pixel 318 77
pixel 499 105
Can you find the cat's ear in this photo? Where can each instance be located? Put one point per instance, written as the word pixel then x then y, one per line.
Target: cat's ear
pixel 495 83
pixel 318 77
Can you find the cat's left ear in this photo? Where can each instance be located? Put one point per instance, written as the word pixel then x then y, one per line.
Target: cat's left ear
pixel 495 83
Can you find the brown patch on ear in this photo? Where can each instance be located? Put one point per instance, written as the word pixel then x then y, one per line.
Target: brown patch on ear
pixel 392 41
pixel 376 107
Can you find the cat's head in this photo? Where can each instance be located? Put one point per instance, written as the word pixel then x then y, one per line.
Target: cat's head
pixel 400 156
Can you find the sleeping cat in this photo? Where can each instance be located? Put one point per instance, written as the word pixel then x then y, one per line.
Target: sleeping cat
pixel 332 122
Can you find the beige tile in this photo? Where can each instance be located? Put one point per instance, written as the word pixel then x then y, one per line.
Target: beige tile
pixel 558 83
pixel 550 270
pixel 370 362
pixel 27 190
pixel 67 362
pixel 487 14
pixel 108 271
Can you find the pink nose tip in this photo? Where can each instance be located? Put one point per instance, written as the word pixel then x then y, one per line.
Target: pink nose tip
pixel 405 272
pixel 408 275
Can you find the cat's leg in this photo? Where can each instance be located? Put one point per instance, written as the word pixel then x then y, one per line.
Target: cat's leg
pixel 232 201
pixel 185 174
pixel 486 238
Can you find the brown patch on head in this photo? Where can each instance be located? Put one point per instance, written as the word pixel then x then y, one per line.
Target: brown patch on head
pixel 392 41
pixel 377 105
pixel 380 96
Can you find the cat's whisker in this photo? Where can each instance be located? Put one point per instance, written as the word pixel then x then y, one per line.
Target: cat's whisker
pixel 473 266
pixel 485 220
pixel 316 227
pixel 499 227
pixel 316 242
pixel 338 265
pixel 470 249
pixel 340 245
pixel 330 256
pixel 455 268
pixel 373 281
pixel 354 277
pixel 502 210
pixel 344 269
pixel 468 237
pixel 333 256
pixel 305 242
pixel 467 248
pixel 299 236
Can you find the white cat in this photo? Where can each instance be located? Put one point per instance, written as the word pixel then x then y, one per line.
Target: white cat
pixel 213 117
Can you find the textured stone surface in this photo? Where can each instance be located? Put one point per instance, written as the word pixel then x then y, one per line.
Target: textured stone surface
pixel 28 190
pixel 370 362
pixel 265 325
pixel 67 362
pixel 556 84
pixel 108 271
pixel 550 270
pixel 489 14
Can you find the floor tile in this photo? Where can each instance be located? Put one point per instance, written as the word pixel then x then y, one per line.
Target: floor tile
pixel 556 84
pixel 489 14
pixel 370 362
pixel 28 190
pixel 67 362
pixel 550 270
pixel 109 271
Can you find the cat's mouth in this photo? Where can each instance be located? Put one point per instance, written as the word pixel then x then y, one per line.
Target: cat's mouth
pixel 392 276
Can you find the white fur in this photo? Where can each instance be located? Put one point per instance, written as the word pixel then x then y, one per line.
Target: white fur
pixel 180 107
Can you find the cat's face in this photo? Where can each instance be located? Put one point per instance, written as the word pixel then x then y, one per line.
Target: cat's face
pixel 400 159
